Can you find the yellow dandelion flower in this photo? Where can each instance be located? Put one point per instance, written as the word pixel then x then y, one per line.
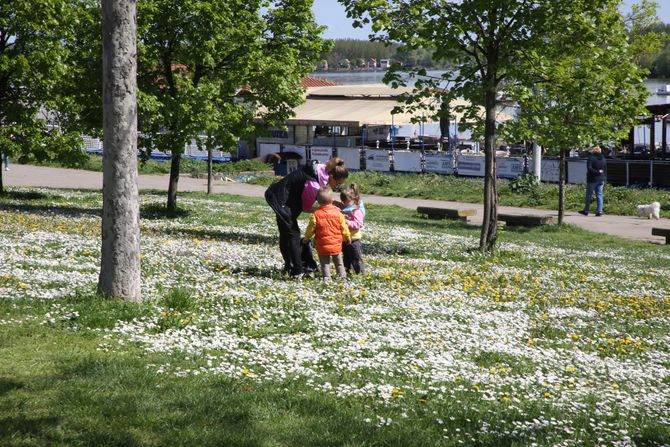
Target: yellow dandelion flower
pixel 397 392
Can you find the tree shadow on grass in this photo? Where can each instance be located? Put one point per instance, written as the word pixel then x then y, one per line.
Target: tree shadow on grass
pixel 258 271
pixel 7 385
pixel 273 273
pixel 115 402
pixel 22 427
pixel 155 211
pixel 444 225
pixel 226 236
pixel 24 195
pixel 17 425
pixel 54 210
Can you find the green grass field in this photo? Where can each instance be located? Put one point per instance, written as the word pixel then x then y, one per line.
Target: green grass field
pixel 187 166
pixel 617 200
pixel 561 338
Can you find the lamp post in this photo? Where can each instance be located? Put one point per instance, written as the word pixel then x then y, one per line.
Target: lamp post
pixel 664 135
pixel 392 133
pixel 363 154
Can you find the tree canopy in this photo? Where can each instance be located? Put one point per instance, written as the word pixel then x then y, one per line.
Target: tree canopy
pixel 32 67
pixel 591 94
pixel 492 44
pixel 649 38
pixel 213 72
pixel 220 68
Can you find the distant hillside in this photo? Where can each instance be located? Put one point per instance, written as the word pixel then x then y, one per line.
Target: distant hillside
pixel 659 63
pixel 353 54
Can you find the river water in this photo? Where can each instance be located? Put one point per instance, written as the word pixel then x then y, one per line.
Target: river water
pixel 376 77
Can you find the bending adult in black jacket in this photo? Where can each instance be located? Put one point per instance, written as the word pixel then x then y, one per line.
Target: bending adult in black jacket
pixel 596 174
pixel 294 194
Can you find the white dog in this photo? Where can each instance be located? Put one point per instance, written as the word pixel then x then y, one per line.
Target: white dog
pixel 649 211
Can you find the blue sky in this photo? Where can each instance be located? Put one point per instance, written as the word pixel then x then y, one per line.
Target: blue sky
pixel 331 14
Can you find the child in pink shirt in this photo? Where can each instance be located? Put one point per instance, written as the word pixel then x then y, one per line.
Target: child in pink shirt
pixel 354 211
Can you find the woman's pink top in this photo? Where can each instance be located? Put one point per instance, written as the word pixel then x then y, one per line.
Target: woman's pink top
pixel 312 188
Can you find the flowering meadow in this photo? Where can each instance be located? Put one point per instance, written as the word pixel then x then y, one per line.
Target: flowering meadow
pixel 562 337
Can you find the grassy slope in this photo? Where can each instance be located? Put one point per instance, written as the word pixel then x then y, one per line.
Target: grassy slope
pixel 58 387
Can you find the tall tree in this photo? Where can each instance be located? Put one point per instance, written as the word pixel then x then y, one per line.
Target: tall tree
pixel 82 85
pixel 646 34
pixel 196 57
pixel 592 94
pixel 32 66
pixel 120 260
pixel 489 42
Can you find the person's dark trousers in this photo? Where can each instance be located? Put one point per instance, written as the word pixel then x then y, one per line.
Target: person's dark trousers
pixel 309 265
pixel 289 245
pixel 353 256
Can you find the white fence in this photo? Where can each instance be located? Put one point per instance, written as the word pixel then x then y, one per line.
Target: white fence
pixel 407 161
pixel 377 160
pixel 439 163
pixel 95 146
pixel 470 165
pixel 351 157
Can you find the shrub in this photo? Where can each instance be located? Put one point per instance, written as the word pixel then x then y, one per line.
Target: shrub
pixel 526 183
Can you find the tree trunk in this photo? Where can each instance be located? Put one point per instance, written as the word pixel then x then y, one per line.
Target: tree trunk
pixel 2 187
pixel 445 124
pixel 120 250
pixel 174 182
pixel 209 169
pixel 488 237
pixel 561 186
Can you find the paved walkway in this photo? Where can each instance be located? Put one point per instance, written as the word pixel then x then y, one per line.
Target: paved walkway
pixel 623 226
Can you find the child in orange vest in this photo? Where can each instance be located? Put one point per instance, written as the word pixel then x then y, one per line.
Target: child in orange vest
pixel 330 230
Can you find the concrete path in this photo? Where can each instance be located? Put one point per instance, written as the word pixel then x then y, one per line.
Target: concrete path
pixel 623 226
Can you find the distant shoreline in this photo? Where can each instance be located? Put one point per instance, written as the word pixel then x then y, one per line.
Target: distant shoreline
pixel 353 77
